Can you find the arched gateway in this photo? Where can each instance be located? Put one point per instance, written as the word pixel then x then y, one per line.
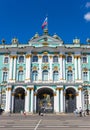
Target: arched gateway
pixel 45 99
pixel 19 100
pixel 70 100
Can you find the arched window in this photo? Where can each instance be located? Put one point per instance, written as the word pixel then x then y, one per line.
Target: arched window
pixel 6 59
pixel 45 75
pixel 20 75
pixel 55 59
pixel 34 75
pixel 55 76
pixel 5 76
pixel 35 59
pixel 84 59
pixel 69 76
pixel 21 59
pixel 85 76
pixel 69 59
pixel 45 58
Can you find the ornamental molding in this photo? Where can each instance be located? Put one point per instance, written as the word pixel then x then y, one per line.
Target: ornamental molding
pixel 34 68
pixel 20 68
pixel 55 68
pixel 45 44
pixel 85 69
pixel 70 68
pixel 45 67
pixel 5 69
pixel 35 53
pixel 69 54
pixel 45 53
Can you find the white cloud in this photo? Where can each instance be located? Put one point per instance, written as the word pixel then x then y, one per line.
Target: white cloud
pixel 87 5
pixel 87 16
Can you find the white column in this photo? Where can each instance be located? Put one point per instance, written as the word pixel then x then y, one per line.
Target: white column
pixel 57 100
pixel 8 99
pixel 64 67
pixel 61 101
pixel 32 100
pixel 14 70
pixel 79 67
pixel 64 102
pixel 35 96
pixel 11 68
pixel 28 67
pixel 40 69
pixel 79 98
pixel 6 107
pixel 75 67
pixel 27 100
pixel 55 103
pixel 12 106
pixel 61 67
pixel 51 74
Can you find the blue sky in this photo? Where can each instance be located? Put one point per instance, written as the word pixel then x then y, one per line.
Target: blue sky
pixel 23 18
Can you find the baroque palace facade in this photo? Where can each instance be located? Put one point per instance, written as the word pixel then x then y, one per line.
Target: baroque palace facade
pixel 44 73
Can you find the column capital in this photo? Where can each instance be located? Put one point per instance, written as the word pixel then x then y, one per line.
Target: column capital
pixel 50 57
pixel 59 88
pixel 80 88
pixel 39 57
pixel 30 88
pixel 28 55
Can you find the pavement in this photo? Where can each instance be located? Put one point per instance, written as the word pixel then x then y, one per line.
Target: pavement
pixel 45 122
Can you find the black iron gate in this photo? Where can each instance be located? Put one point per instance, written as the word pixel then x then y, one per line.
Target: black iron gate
pixel 70 100
pixel 19 105
pixel 19 100
pixel 45 100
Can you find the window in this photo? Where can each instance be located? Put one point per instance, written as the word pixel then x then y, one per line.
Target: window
pixel 85 76
pixel 35 59
pixel 21 59
pixel 84 59
pixel 6 59
pixel 69 58
pixel 55 76
pixel 45 75
pixel 5 76
pixel 34 75
pixel 55 59
pixel 69 76
pixel 20 76
pixel 45 58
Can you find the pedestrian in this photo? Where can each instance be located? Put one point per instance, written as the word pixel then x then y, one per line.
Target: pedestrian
pixel 80 112
pixel 76 112
pixel 39 112
pixel 24 113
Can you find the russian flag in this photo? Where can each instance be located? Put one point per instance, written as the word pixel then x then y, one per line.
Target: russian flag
pixel 45 23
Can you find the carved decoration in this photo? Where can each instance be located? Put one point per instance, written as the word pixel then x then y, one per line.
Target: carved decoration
pixel 34 68
pixel 70 68
pixel 20 68
pixel 55 68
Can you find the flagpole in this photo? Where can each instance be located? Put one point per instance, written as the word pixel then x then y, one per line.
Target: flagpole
pixel 47 23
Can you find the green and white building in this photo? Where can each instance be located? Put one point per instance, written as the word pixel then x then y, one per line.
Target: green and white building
pixel 45 72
